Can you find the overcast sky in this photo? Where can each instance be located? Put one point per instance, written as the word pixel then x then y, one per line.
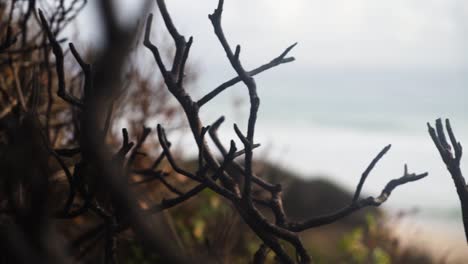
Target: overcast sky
pixel 378 34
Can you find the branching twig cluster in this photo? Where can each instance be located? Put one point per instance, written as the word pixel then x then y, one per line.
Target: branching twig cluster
pixel 98 178
pixel 239 191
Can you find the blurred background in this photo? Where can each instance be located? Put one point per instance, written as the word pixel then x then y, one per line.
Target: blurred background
pixel 367 73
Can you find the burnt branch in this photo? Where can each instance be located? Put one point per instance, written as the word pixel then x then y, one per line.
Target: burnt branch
pixel 359 203
pixel 58 53
pixel 86 70
pixel 165 204
pixel 165 145
pixel 101 185
pixel 368 170
pixel 154 50
pixel 451 154
pixel 281 59
pixel 214 136
pixel 252 89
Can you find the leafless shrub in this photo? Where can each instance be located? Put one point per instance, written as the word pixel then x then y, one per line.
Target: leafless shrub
pixel 99 181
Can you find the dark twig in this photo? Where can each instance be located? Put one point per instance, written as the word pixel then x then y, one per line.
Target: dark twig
pixel 254 99
pixel 57 50
pixel 368 170
pixel 87 76
pixel 451 155
pixel 126 146
pixel 214 136
pixel 260 255
pixel 357 204
pixel 282 59
pixel 170 158
pixel 165 204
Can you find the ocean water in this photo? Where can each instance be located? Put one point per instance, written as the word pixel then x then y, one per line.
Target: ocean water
pixel 332 124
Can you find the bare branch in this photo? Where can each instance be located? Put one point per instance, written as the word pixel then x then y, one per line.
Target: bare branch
pixel 170 158
pixel 57 50
pixel 184 61
pixel 256 179
pixel 86 70
pixel 254 100
pixel 282 59
pixel 452 161
pixel 165 204
pixel 368 170
pixel 126 146
pixel 153 48
pixel 357 205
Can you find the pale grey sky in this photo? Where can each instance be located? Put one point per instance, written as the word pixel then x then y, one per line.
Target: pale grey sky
pixel 397 34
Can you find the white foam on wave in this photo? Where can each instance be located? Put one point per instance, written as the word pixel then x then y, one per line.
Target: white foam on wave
pixel 343 154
